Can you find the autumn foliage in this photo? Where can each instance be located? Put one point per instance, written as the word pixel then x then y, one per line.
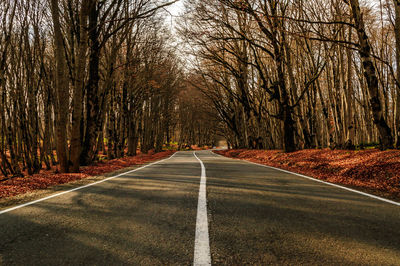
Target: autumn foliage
pixel 371 170
pixel 21 185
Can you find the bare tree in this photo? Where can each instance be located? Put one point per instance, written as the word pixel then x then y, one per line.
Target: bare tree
pixel 370 76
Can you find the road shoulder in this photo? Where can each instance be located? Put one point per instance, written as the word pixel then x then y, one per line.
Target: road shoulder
pixel 368 192
pixel 46 192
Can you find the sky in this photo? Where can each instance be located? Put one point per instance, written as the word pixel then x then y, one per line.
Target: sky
pixel 176 8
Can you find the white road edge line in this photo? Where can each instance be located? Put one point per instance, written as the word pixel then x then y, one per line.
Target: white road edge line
pixel 202 254
pixel 82 187
pixel 323 182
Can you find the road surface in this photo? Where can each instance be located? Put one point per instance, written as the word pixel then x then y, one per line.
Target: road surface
pixel 256 216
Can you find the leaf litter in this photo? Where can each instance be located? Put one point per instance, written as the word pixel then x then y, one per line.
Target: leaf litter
pixel 373 171
pixel 47 178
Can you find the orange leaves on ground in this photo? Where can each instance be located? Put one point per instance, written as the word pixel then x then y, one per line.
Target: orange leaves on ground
pixel 112 165
pixel 372 170
pixel 16 186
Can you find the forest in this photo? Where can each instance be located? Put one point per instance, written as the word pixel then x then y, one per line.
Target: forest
pixel 80 78
pixel 299 74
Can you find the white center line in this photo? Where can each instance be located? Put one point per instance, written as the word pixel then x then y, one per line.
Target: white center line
pixel 202 254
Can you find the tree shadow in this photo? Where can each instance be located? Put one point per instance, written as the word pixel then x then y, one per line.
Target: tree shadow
pixel 142 218
pixel 279 218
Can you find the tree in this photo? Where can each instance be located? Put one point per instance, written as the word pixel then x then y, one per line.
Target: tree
pixel 62 89
pixel 370 76
pixel 397 37
pixel 79 84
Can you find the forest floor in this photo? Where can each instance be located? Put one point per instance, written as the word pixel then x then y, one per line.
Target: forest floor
pixel 48 178
pixel 373 171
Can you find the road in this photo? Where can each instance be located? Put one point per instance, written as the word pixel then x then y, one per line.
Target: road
pixel 256 216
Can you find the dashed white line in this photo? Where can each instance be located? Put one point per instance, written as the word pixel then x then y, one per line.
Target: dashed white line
pixel 202 254
pixel 82 187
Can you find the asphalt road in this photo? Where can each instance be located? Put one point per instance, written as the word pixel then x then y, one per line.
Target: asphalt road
pixel 256 216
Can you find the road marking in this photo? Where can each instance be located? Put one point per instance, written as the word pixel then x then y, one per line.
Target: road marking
pixel 320 181
pixel 202 254
pixel 82 187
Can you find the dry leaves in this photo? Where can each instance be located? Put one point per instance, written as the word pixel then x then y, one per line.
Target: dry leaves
pixel 372 170
pixel 21 185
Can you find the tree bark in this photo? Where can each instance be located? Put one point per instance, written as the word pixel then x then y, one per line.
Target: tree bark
pixel 384 130
pixel 61 89
pixel 92 88
pixel 397 36
pixel 349 101
pixel 76 144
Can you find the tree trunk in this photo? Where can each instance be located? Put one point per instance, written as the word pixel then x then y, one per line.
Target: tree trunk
pixel 289 144
pixel 132 137
pixel 76 144
pixel 61 89
pixel 349 101
pixel 371 78
pixel 397 36
pixel 92 88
